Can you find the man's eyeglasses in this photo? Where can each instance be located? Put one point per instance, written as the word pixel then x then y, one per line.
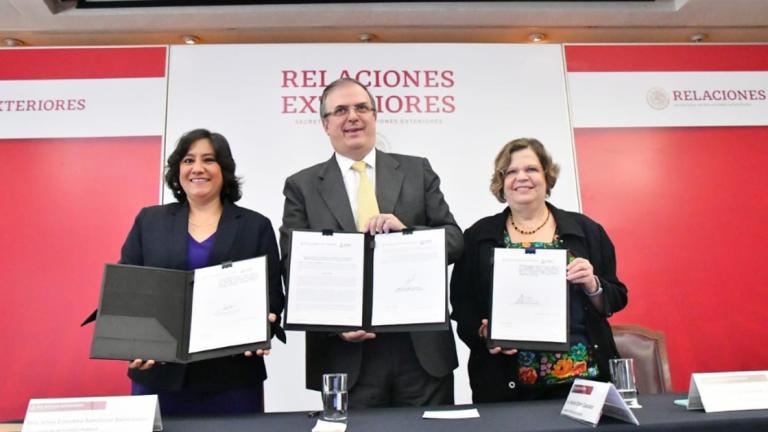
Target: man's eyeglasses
pixel 343 110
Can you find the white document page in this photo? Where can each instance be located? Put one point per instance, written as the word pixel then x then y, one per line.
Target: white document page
pixel 529 295
pixel 409 278
pixel 326 279
pixel 229 305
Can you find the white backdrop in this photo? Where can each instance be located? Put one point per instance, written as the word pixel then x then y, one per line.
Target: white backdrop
pixel 456 104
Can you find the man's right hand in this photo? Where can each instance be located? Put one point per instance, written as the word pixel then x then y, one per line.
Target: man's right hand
pixel 141 365
pixel 357 336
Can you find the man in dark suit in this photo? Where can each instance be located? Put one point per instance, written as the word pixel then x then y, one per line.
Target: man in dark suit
pixel 391 369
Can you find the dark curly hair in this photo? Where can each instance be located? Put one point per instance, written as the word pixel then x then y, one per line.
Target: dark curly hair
pixel 230 190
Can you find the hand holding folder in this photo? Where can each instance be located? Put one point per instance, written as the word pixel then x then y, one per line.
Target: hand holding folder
pixel 182 316
pixel 357 284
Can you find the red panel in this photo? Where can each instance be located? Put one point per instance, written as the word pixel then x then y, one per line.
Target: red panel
pixel 68 205
pixel 686 209
pixel 82 63
pixel 666 58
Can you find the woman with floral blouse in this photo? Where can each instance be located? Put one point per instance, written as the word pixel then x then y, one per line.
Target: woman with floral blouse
pixel 523 178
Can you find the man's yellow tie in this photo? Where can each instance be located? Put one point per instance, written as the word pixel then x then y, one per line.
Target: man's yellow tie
pixel 367 206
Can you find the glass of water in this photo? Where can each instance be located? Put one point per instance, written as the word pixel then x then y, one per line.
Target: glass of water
pixel 623 378
pixel 335 397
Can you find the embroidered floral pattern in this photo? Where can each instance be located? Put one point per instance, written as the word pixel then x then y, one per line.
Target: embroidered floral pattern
pixel 542 368
pixel 556 243
pixel 527 375
pixel 536 367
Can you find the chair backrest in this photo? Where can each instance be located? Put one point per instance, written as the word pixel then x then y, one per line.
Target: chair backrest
pixel 649 350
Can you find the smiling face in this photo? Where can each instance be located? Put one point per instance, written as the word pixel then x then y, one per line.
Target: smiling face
pixel 199 172
pixel 524 183
pixel 352 135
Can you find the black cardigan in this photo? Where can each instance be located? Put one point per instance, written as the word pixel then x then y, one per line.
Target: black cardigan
pixel 494 377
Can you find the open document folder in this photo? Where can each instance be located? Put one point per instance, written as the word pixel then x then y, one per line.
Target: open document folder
pixel 348 281
pixel 182 316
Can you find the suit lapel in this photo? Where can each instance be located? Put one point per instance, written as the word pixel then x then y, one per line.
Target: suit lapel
pixel 389 180
pixel 225 234
pixel 177 236
pixel 331 189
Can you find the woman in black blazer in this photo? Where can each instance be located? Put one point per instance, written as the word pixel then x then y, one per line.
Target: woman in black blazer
pixel 204 228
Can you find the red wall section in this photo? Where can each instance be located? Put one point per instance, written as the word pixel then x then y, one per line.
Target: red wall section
pixel 667 58
pixel 67 207
pixel 82 63
pixel 686 209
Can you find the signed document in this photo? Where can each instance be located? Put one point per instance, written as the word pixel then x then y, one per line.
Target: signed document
pixel 326 279
pixel 529 298
pixel 229 307
pixel 342 281
pixel 182 316
pixel 409 278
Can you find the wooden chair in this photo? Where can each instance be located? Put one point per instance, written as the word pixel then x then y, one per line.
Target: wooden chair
pixel 649 349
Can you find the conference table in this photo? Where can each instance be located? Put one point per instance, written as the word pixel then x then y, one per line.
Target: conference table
pixel 657 414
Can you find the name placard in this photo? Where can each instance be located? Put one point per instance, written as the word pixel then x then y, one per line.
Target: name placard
pixel 589 400
pixel 94 414
pixel 728 391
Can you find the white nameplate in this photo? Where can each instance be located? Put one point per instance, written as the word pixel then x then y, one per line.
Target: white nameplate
pixel 728 391
pixel 94 414
pixel 588 400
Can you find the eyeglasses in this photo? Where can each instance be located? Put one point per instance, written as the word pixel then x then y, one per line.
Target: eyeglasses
pixel 529 170
pixel 343 110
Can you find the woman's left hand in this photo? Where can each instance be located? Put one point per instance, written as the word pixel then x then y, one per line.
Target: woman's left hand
pixel 580 271
pixel 262 352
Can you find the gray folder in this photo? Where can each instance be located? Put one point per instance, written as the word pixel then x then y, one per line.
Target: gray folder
pixel 145 312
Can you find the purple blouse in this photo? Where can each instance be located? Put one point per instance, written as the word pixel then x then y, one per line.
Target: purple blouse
pixel 198 252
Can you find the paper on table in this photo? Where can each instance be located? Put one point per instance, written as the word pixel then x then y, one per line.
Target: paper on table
pixel 529 295
pixel 326 279
pixel 452 414
pixel 326 426
pixel 415 292
pixel 229 305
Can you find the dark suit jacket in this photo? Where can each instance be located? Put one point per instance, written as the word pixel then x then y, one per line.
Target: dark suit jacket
pixel 490 376
pixel 406 186
pixel 159 239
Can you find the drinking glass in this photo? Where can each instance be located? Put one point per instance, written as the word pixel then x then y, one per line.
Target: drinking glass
pixel 335 397
pixel 623 378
